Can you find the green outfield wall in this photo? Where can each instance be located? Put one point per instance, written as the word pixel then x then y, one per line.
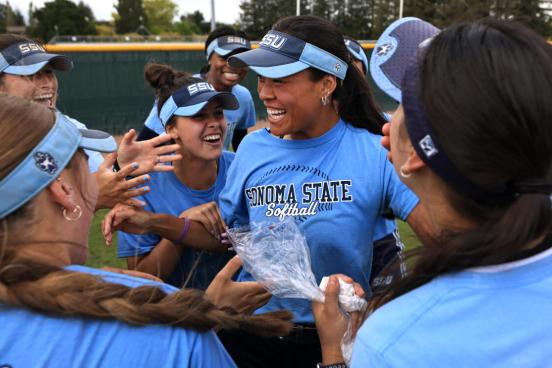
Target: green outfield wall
pixel 106 89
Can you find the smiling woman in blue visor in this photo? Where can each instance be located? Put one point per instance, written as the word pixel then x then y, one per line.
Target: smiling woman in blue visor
pixel 320 162
pixel 54 310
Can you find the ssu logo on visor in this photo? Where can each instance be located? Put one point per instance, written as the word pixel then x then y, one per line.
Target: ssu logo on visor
pixel 273 40
pixel 199 87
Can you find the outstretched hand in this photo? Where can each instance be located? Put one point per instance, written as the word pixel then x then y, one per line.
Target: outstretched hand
pixel 151 154
pixel 113 186
pixel 130 219
pixel 244 297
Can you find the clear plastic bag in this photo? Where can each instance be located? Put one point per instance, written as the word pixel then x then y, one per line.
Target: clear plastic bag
pixel 277 255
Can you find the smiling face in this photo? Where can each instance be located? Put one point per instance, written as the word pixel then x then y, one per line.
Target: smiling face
pixel 41 87
pixel 202 135
pixel 221 75
pixel 293 105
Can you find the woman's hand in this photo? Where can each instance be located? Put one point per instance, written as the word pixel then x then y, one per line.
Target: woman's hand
pixel 208 215
pixel 113 186
pixel 244 297
pixel 331 322
pixel 130 219
pixel 151 155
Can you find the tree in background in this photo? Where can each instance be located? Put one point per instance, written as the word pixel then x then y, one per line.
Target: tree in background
pixel 366 19
pixel 160 15
pixel 62 17
pixel 130 16
pixel 10 17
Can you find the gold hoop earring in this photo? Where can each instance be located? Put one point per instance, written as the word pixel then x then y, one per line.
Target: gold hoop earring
pixel 74 215
pixel 325 100
pixel 403 173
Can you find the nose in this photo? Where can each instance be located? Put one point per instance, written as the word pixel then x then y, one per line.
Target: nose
pixel 265 89
pixel 44 79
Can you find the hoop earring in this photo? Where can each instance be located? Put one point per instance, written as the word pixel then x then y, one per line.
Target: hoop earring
pixel 403 173
pixel 75 214
pixel 325 100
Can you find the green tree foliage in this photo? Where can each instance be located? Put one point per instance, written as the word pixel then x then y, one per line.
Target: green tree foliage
pixel 366 19
pixel 10 17
pixel 62 17
pixel 130 16
pixel 160 15
pixel 199 21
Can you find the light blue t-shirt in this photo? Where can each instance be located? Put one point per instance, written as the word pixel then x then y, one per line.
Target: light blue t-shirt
pixel 242 118
pixel 335 186
pixel 169 195
pixel 498 316
pixel 31 339
pixel 95 159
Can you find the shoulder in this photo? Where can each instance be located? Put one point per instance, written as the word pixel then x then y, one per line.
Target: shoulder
pixel 227 157
pixel 385 327
pixel 241 92
pixel 118 278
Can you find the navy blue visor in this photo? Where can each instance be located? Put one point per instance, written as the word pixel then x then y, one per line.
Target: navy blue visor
pixel 227 45
pixel 191 98
pixel 28 58
pixel 280 55
pixel 356 51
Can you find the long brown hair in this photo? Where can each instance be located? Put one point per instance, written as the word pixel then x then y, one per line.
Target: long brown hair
pixel 486 90
pixel 45 288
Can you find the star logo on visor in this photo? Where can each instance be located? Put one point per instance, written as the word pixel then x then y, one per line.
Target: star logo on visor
pixel 45 162
pixel 337 67
pixel 384 49
pixel 428 147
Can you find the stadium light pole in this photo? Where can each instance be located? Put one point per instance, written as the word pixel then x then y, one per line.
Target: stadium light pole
pixel 213 22
pixel 298 8
pixel 401 6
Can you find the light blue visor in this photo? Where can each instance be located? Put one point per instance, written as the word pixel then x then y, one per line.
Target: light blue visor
pixel 189 99
pixel 46 161
pixel 280 55
pixel 28 58
pixel 355 49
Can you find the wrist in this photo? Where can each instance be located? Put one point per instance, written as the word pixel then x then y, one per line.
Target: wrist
pixel 331 355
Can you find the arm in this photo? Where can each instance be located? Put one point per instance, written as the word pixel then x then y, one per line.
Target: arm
pixel 237 137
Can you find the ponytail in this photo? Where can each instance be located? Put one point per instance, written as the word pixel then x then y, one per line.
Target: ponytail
pixel 48 289
pixel 165 80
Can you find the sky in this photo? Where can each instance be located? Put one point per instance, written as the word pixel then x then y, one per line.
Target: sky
pixel 226 11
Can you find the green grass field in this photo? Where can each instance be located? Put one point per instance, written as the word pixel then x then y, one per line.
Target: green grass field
pixel 102 255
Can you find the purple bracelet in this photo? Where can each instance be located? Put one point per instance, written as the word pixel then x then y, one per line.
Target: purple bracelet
pixel 184 231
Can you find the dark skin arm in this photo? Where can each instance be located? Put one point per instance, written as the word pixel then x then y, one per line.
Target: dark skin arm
pixel 239 134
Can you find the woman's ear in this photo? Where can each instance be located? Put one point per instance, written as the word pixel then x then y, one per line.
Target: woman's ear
pixel 413 162
pixel 327 85
pixel 171 130
pixel 62 193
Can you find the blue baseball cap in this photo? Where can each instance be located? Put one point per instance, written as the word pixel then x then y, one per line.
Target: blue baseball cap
pixel 46 161
pixel 189 99
pixel 356 51
pixel 395 50
pixel 280 55
pixel 226 45
pixel 27 58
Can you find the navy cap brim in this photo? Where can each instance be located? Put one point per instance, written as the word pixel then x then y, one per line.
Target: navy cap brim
pixel 196 103
pixel 267 63
pixel 229 50
pixel 33 63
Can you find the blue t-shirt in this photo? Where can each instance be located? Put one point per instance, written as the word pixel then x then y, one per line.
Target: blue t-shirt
pixel 242 118
pixel 31 339
pixel 335 186
pixel 498 316
pixel 169 195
